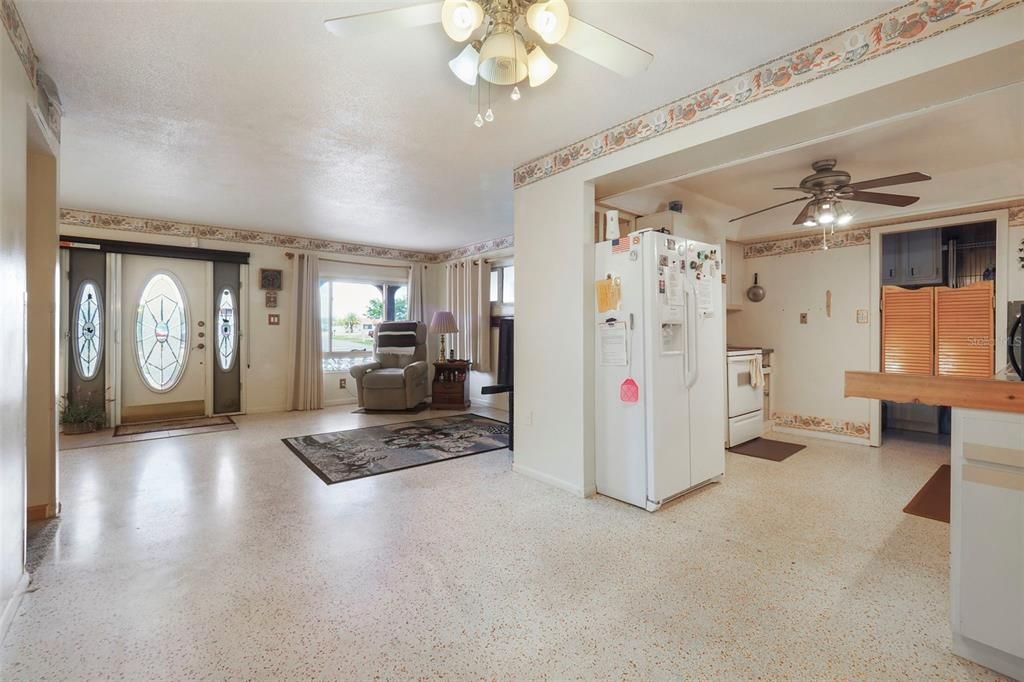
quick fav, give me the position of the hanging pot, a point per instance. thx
(756, 292)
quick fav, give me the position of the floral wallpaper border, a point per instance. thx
(111, 221)
(810, 242)
(861, 430)
(903, 26)
(18, 34)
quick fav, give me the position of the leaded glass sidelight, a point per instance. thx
(161, 333)
(227, 330)
(88, 322)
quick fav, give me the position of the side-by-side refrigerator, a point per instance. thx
(660, 356)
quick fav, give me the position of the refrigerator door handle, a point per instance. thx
(691, 333)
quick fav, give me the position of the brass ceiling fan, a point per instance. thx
(828, 187)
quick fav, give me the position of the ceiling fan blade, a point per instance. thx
(385, 20)
(798, 189)
(602, 48)
(904, 179)
(880, 198)
(805, 213)
(784, 203)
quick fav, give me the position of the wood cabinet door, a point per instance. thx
(908, 330)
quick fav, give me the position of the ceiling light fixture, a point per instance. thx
(503, 58)
(549, 20)
(843, 217)
(460, 18)
(466, 64)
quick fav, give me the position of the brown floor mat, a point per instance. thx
(766, 448)
(932, 500)
(171, 425)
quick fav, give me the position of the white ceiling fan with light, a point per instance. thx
(504, 50)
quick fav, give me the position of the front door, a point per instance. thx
(165, 349)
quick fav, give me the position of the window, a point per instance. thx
(503, 289)
(227, 331)
(349, 311)
(88, 330)
(161, 333)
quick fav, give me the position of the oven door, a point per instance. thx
(744, 398)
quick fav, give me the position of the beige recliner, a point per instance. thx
(393, 381)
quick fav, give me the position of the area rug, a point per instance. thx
(932, 500)
(346, 455)
(172, 425)
(765, 448)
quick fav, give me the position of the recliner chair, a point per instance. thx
(393, 381)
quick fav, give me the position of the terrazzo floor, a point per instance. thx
(221, 556)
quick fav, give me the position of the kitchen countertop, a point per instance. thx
(1000, 393)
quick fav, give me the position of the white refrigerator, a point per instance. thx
(660, 367)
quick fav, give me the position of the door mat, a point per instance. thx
(174, 425)
(932, 500)
(412, 410)
(346, 455)
(765, 448)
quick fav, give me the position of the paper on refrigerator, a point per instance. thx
(611, 344)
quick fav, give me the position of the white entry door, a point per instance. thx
(165, 349)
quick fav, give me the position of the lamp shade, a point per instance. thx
(443, 322)
(541, 67)
(464, 66)
(549, 20)
(503, 58)
(460, 18)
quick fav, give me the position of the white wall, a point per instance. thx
(554, 220)
(809, 360)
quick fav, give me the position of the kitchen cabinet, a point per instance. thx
(735, 270)
(912, 257)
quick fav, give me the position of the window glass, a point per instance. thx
(88, 330)
(494, 284)
(508, 285)
(401, 303)
(227, 332)
(161, 333)
(349, 311)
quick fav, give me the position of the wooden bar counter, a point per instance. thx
(999, 393)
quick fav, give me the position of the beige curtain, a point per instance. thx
(415, 293)
(469, 300)
(306, 382)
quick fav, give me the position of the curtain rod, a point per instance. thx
(355, 262)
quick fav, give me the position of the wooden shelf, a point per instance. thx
(999, 395)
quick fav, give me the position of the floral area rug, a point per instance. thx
(345, 455)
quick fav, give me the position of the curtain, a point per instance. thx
(469, 300)
(415, 292)
(306, 382)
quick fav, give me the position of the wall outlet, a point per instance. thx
(803, 318)
(341, 383)
(273, 319)
(862, 316)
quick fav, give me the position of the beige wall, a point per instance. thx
(810, 359)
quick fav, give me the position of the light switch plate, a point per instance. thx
(273, 319)
(803, 318)
(862, 316)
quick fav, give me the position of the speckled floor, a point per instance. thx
(222, 556)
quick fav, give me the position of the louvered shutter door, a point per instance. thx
(907, 330)
(964, 325)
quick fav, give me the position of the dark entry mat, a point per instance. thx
(932, 500)
(172, 425)
(765, 448)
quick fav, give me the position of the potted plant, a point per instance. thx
(80, 415)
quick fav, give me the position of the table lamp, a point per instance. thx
(443, 323)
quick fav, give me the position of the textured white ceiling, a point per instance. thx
(250, 114)
(973, 149)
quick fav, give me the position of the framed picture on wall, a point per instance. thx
(270, 279)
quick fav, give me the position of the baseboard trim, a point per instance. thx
(548, 479)
(39, 512)
(340, 403)
(11, 607)
(990, 657)
(823, 435)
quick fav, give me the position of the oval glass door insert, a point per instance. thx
(227, 330)
(161, 333)
(88, 330)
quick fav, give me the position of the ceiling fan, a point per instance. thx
(506, 48)
(828, 187)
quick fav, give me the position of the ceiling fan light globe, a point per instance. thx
(460, 18)
(503, 59)
(826, 217)
(810, 222)
(844, 219)
(465, 65)
(549, 20)
(540, 66)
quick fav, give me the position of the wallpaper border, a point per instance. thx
(842, 427)
(16, 31)
(113, 221)
(900, 27)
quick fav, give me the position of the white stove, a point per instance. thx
(745, 378)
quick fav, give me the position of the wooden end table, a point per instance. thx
(451, 385)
